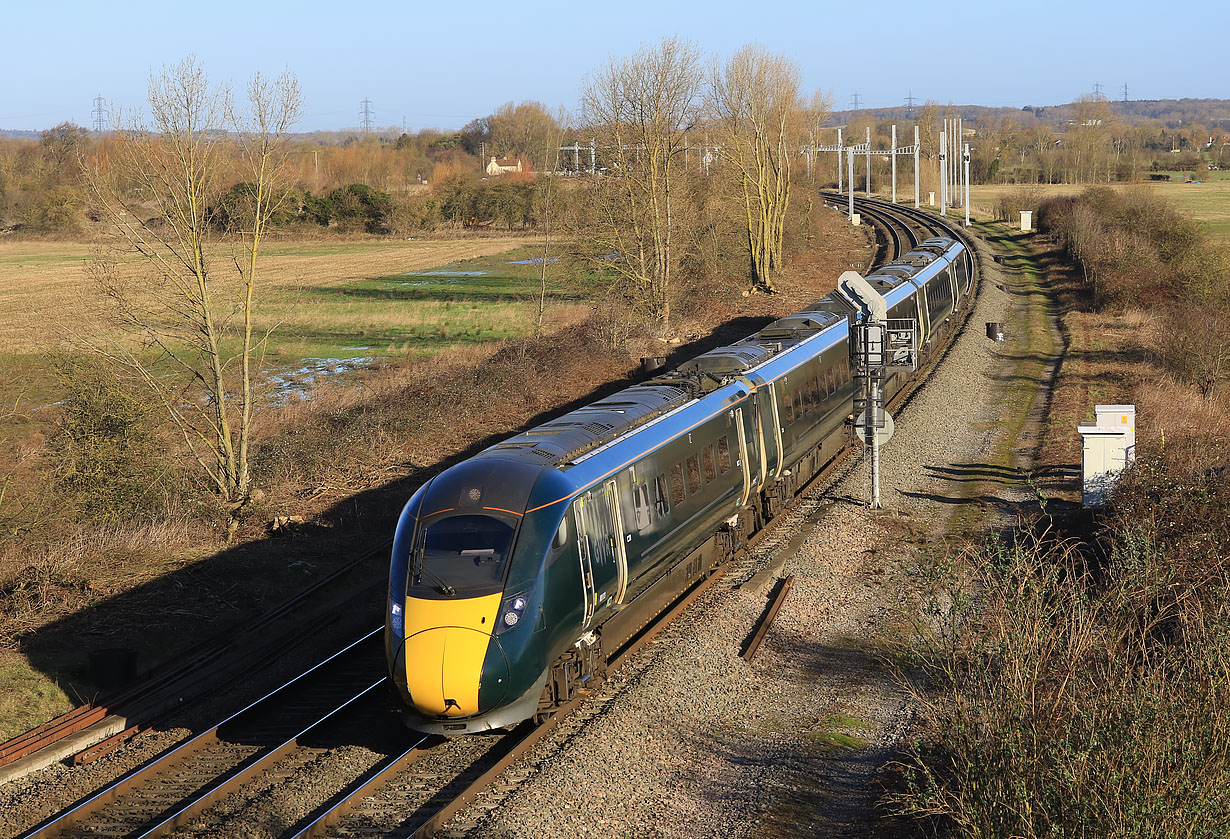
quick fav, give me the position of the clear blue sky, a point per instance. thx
(444, 63)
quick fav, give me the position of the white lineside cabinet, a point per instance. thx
(1108, 446)
(1122, 417)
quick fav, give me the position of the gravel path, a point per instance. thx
(690, 740)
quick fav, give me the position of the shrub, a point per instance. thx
(418, 211)
(1132, 246)
(105, 458)
(350, 208)
(239, 202)
(1082, 693)
(1023, 198)
(57, 211)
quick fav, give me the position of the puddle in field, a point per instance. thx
(535, 261)
(445, 272)
(431, 282)
(296, 385)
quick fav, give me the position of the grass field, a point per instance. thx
(1208, 202)
(329, 305)
(44, 284)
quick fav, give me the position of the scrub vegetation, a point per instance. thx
(1072, 672)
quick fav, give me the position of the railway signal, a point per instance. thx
(878, 346)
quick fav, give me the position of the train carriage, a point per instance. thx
(513, 571)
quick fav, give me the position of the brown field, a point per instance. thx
(44, 288)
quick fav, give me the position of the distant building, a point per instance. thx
(506, 166)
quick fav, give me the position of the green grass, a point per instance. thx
(417, 313)
(28, 697)
(1207, 202)
(836, 739)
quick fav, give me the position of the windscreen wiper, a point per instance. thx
(445, 588)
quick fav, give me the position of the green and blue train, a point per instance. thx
(515, 573)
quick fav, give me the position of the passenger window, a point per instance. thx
(676, 485)
(815, 392)
(640, 500)
(659, 488)
(693, 475)
(798, 405)
(788, 409)
(706, 460)
(723, 451)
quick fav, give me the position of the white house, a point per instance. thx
(505, 166)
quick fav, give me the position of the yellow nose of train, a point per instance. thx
(446, 644)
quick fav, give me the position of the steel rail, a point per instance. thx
(178, 755)
(250, 769)
(349, 799)
(189, 675)
(762, 628)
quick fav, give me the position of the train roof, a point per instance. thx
(568, 438)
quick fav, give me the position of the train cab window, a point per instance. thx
(659, 492)
(706, 461)
(723, 453)
(693, 463)
(676, 485)
(462, 554)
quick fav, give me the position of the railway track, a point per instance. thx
(92, 730)
(176, 787)
(420, 782)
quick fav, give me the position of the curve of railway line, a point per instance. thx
(420, 782)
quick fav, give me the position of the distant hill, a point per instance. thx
(1173, 113)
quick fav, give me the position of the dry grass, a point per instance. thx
(44, 583)
(43, 283)
(1207, 202)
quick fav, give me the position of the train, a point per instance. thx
(516, 572)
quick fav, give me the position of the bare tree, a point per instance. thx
(640, 109)
(1192, 344)
(545, 199)
(524, 129)
(754, 98)
(191, 300)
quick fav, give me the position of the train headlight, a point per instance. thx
(397, 619)
(512, 610)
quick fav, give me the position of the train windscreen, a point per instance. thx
(463, 555)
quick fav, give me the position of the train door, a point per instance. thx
(589, 595)
(743, 463)
(771, 420)
(619, 539)
(763, 459)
